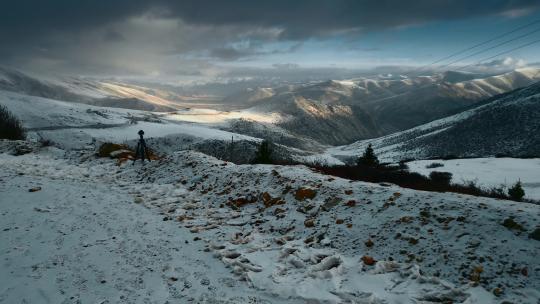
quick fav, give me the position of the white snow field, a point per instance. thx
(489, 172)
(190, 228)
(72, 125)
(82, 239)
(281, 234)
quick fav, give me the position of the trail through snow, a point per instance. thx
(77, 241)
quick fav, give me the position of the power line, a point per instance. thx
(501, 53)
(469, 65)
(480, 44)
(491, 48)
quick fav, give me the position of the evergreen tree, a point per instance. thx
(10, 126)
(368, 158)
(264, 153)
(516, 192)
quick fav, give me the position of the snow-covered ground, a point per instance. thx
(280, 234)
(489, 172)
(215, 116)
(82, 239)
(72, 125)
(194, 229)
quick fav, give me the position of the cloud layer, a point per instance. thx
(138, 36)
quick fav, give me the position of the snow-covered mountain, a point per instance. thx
(504, 125)
(338, 112)
(89, 91)
(330, 112)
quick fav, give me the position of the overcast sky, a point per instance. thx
(201, 38)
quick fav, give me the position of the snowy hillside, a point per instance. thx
(371, 107)
(488, 172)
(73, 126)
(89, 91)
(215, 231)
(506, 125)
(359, 108)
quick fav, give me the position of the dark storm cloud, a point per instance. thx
(307, 18)
(299, 18)
(141, 35)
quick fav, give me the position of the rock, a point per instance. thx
(351, 203)
(330, 203)
(309, 240)
(512, 225)
(239, 202)
(406, 219)
(370, 261)
(35, 189)
(475, 274)
(270, 201)
(278, 211)
(425, 213)
(106, 149)
(413, 241)
(309, 223)
(138, 200)
(23, 148)
(305, 193)
(535, 235)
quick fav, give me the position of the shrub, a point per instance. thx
(369, 158)
(516, 192)
(403, 165)
(440, 178)
(264, 153)
(10, 126)
(106, 149)
(123, 152)
(434, 165)
(437, 181)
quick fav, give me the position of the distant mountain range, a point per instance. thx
(88, 91)
(504, 125)
(339, 112)
(333, 112)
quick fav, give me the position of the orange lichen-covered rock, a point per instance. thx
(305, 193)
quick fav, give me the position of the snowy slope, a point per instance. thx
(372, 107)
(294, 246)
(89, 91)
(82, 240)
(507, 124)
(488, 172)
(75, 125)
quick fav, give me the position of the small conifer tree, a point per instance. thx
(516, 192)
(368, 158)
(264, 153)
(10, 126)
